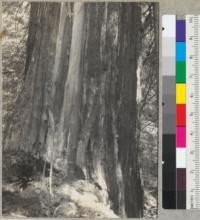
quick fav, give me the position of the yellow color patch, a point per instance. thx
(180, 93)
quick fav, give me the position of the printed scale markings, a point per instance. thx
(192, 111)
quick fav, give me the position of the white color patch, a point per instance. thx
(180, 157)
(169, 25)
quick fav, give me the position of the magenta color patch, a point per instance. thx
(180, 136)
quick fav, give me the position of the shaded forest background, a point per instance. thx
(16, 23)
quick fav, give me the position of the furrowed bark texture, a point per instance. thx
(81, 74)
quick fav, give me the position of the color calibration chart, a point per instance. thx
(181, 112)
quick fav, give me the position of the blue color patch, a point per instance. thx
(180, 51)
(180, 30)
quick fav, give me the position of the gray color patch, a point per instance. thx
(168, 66)
(169, 124)
(169, 85)
(169, 104)
(168, 44)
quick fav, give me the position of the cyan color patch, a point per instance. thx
(180, 51)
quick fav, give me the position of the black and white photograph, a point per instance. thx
(80, 109)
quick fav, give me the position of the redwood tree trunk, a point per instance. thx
(81, 74)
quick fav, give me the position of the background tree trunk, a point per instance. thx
(81, 67)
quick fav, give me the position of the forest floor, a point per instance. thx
(80, 199)
(77, 199)
(26, 193)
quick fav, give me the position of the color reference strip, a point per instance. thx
(169, 111)
(180, 115)
(181, 112)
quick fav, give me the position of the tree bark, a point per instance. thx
(70, 116)
(82, 68)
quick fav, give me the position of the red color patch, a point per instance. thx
(180, 115)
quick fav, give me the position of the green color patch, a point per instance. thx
(180, 72)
